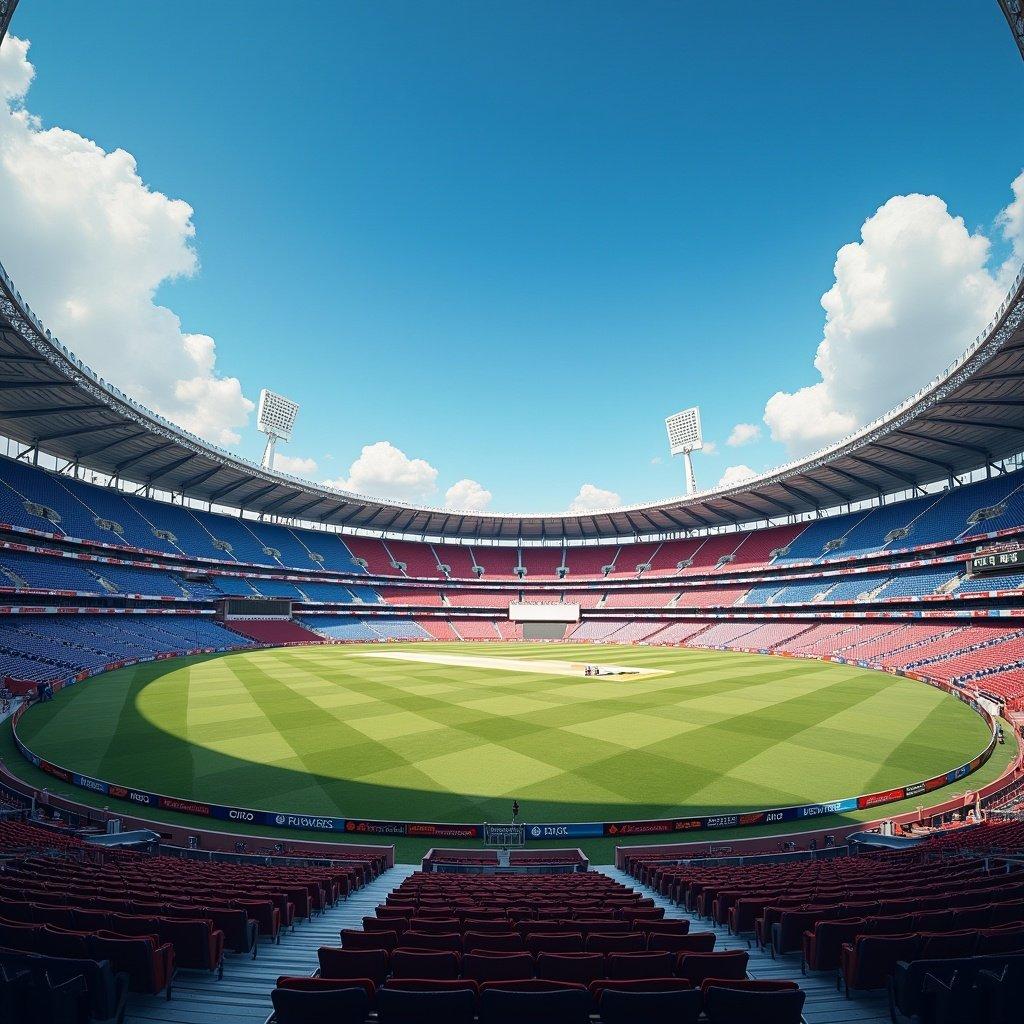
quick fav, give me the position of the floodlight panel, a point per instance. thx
(684, 434)
(276, 415)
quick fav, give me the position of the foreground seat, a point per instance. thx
(323, 1006)
(742, 1006)
(426, 1005)
(340, 964)
(731, 964)
(868, 962)
(107, 990)
(671, 1006)
(148, 963)
(533, 1002)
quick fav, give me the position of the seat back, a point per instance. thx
(695, 942)
(337, 964)
(665, 927)
(679, 1006)
(497, 966)
(495, 942)
(740, 1006)
(135, 956)
(402, 1006)
(640, 965)
(1005, 939)
(629, 942)
(726, 964)
(582, 968)
(448, 941)
(829, 937)
(877, 956)
(538, 943)
(938, 945)
(434, 925)
(63, 942)
(352, 938)
(425, 963)
(20, 936)
(566, 1005)
(325, 1006)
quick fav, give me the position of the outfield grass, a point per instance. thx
(327, 730)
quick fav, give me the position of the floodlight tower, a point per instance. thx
(275, 418)
(684, 438)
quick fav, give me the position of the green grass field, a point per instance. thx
(341, 731)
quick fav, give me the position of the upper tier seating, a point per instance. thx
(69, 507)
(419, 559)
(541, 561)
(587, 562)
(497, 562)
(458, 558)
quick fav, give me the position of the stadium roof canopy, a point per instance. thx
(972, 415)
(1014, 11)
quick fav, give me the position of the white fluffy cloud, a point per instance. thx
(736, 475)
(384, 471)
(908, 298)
(467, 496)
(88, 244)
(1011, 223)
(743, 433)
(710, 448)
(593, 499)
(294, 464)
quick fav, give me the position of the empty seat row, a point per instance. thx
(660, 1001)
(582, 967)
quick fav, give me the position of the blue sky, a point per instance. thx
(510, 238)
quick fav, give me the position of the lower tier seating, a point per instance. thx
(557, 947)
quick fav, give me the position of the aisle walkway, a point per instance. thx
(243, 996)
(824, 1004)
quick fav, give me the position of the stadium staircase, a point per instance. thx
(824, 1004)
(243, 995)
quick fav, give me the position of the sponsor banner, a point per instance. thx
(875, 799)
(433, 830)
(588, 830)
(170, 803)
(89, 783)
(722, 821)
(376, 828)
(833, 807)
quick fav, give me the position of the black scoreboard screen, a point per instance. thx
(998, 562)
(268, 607)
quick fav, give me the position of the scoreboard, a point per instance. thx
(998, 562)
(255, 607)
